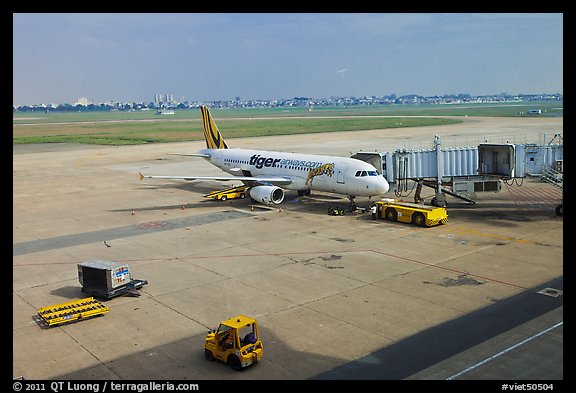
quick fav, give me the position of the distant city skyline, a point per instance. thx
(59, 58)
(168, 101)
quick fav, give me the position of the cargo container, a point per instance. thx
(107, 279)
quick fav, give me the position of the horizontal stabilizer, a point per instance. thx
(191, 154)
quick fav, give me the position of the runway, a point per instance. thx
(336, 297)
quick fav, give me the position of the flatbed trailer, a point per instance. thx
(73, 311)
(411, 213)
(230, 193)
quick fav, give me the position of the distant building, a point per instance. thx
(82, 101)
(160, 99)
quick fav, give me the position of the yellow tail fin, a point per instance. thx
(213, 138)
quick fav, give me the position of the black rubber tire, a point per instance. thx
(436, 203)
(391, 214)
(419, 219)
(234, 363)
(560, 210)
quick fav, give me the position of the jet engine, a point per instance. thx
(267, 194)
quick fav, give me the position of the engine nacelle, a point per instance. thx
(267, 194)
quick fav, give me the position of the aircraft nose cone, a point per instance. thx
(383, 186)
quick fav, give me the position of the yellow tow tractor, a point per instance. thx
(411, 213)
(236, 342)
(230, 193)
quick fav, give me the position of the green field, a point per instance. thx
(126, 128)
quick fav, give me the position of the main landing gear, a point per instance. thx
(352, 205)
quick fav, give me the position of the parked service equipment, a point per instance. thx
(236, 342)
(106, 279)
(230, 193)
(72, 311)
(411, 213)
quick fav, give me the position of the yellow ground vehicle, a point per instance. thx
(73, 311)
(230, 193)
(412, 213)
(236, 342)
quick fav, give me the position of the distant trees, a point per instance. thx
(86, 108)
(299, 101)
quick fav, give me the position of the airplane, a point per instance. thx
(268, 173)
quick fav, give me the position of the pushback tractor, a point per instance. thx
(411, 213)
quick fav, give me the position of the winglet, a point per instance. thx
(213, 138)
(141, 176)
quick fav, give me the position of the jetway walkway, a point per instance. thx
(461, 172)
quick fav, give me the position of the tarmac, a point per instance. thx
(336, 297)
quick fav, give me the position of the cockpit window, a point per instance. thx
(366, 173)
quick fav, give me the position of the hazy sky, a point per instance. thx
(59, 58)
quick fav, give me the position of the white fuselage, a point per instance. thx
(341, 175)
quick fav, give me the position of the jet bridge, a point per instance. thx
(461, 171)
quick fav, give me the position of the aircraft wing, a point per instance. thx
(191, 154)
(280, 181)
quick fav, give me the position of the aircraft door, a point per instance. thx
(340, 175)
